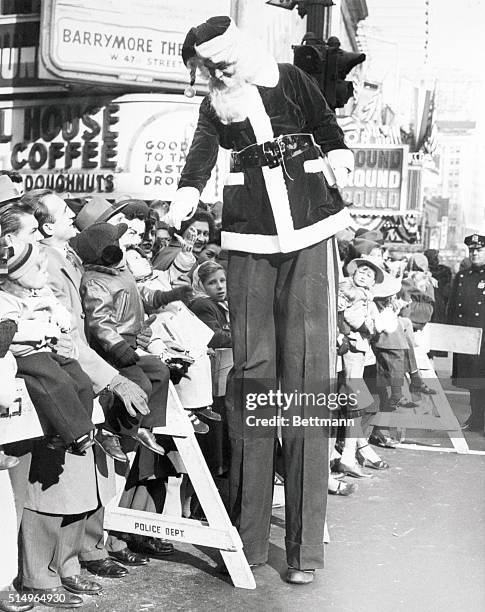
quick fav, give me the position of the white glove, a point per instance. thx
(183, 206)
(342, 163)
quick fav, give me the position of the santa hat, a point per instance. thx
(216, 39)
(219, 40)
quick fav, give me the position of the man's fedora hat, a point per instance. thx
(97, 210)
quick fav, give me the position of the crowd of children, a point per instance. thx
(152, 305)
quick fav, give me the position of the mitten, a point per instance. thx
(178, 369)
(123, 355)
(162, 298)
(342, 344)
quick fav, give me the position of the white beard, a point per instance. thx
(230, 103)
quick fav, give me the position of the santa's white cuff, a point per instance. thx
(341, 158)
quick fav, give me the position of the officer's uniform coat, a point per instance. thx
(467, 307)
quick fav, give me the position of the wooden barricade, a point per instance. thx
(434, 412)
(217, 532)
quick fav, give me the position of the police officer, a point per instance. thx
(467, 307)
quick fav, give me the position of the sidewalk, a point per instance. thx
(411, 538)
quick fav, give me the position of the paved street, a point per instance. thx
(409, 539)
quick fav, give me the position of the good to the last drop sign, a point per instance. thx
(132, 145)
(379, 179)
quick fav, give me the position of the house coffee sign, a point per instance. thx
(131, 145)
(66, 147)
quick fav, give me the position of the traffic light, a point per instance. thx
(345, 61)
(328, 65)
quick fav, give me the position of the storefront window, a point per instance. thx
(19, 7)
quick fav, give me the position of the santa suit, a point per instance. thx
(278, 225)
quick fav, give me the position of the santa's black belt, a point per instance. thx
(272, 152)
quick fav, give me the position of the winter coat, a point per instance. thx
(210, 313)
(114, 305)
(467, 307)
(288, 207)
(418, 290)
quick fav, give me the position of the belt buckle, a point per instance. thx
(272, 153)
(236, 163)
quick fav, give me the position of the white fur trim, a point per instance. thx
(233, 44)
(268, 73)
(234, 178)
(221, 48)
(341, 158)
(295, 239)
(273, 177)
(321, 230)
(250, 243)
(288, 238)
(312, 166)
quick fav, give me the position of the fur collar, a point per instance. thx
(103, 269)
(268, 73)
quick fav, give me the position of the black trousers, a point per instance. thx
(283, 316)
(61, 392)
(477, 405)
(153, 377)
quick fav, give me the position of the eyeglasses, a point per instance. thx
(134, 215)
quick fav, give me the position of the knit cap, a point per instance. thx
(99, 243)
(20, 257)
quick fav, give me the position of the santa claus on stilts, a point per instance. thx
(280, 217)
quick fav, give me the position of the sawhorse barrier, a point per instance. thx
(217, 532)
(435, 412)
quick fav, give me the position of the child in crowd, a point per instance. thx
(115, 314)
(210, 305)
(359, 320)
(209, 302)
(60, 391)
(418, 290)
(178, 337)
(390, 347)
(8, 366)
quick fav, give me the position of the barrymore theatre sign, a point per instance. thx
(127, 41)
